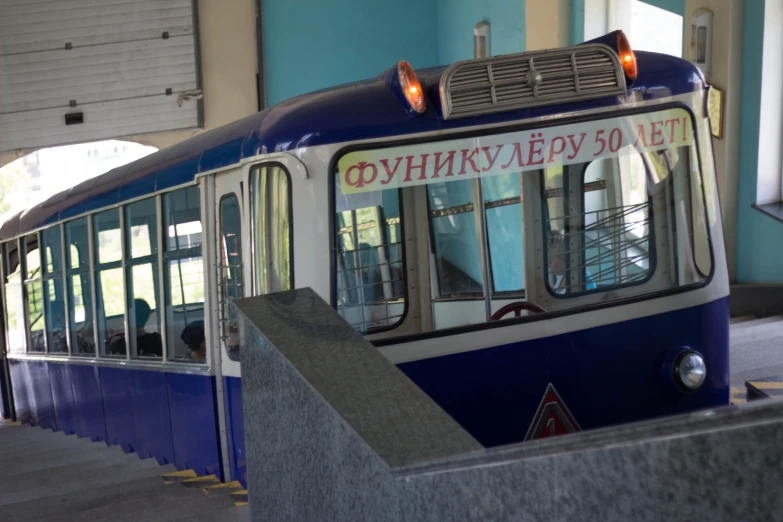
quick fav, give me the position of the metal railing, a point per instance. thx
(606, 252)
(367, 293)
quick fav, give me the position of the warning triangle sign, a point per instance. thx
(552, 417)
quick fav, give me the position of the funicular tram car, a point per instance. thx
(533, 239)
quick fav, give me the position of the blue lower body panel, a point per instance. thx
(236, 429)
(166, 416)
(605, 376)
(194, 424)
(33, 394)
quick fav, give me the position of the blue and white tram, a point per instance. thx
(533, 239)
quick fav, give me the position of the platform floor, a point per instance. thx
(756, 349)
(51, 476)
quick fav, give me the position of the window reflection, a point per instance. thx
(455, 240)
(270, 208)
(231, 285)
(77, 241)
(34, 293)
(370, 275)
(141, 223)
(109, 284)
(54, 297)
(14, 304)
(183, 275)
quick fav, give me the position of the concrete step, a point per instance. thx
(47, 475)
(14, 478)
(8, 456)
(56, 444)
(165, 504)
(71, 459)
(742, 319)
(86, 499)
(99, 478)
(235, 514)
(43, 441)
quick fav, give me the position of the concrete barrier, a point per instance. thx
(334, 432)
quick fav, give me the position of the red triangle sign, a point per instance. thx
(552, 417)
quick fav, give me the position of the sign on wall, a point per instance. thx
(84, 70)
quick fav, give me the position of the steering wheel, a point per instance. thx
(516, 308)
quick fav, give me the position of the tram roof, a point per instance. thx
(357, 111)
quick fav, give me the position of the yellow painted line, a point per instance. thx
(206, 478)
(238, 493)
(739, 401)
(767, 385)
(232, 484)
(188, 473)
(9, 423)
(735, 390)
(240, 504)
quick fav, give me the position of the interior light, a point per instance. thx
(627, 58)
(411, 87)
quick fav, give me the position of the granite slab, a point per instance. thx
(335, 432)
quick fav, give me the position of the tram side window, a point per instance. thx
(109, 283)
(54, 296)
(183, 272)
(34, 293)
(78, 282)
(14, 304)
(142, 276)
(271, 208)
(231, 285)
(369, 258)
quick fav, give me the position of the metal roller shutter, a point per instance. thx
(121, 67)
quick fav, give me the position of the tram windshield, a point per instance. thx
(545, 218)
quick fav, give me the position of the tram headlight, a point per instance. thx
(690, 370)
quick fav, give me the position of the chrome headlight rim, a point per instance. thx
(692, 355)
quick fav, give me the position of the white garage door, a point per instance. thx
(85, 70)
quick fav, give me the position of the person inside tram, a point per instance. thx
(556, 256)
(148, 344)
(193, 337)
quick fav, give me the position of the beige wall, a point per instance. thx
(546, 24)
(227, 35)
(726, 74)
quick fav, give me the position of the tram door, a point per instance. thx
(230, 277)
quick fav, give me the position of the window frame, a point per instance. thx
(97, 267)
(129, 262)
(6, 274)
(89, 271)
(332, 178)
(611, 112)
(651, 236)
(165, 256)
(155, 364)
(25, 294)
(46, 277)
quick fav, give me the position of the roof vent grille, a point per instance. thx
(518, 81)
